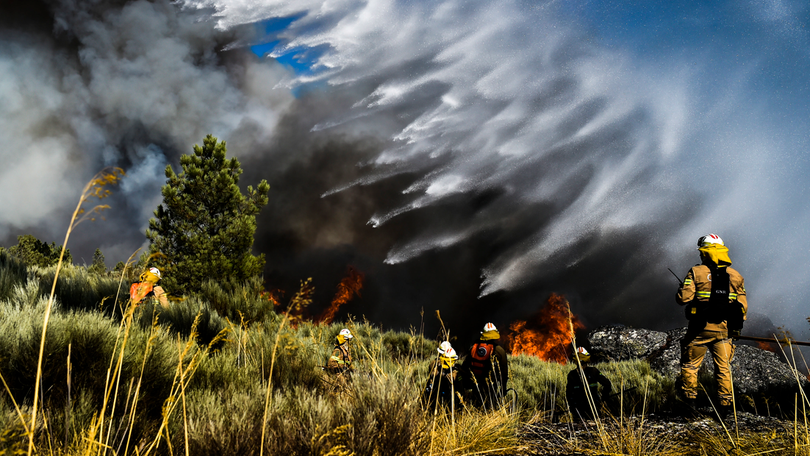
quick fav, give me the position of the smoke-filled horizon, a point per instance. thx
(471, 157)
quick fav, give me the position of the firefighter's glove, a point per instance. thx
(734, 334)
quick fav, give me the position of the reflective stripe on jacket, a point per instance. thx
(698, 286)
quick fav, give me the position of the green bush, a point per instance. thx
(540, 385)
(12, 272)
(237, 301)
(78, 289)
(180, 316)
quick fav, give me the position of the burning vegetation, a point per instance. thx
(296, 311)
(548, 334)
(348, 288)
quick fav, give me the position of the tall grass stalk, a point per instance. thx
(720, 418)
(126, 325)
(270, 383)
(94, 188)
(182, 376)
(477, 432)
(16, 406)
(591, 403)
(149, 342)
(113, 384)
(301, 300)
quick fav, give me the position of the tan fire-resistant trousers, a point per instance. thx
(694, 350)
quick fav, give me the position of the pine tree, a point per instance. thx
(37, 253)
(98, 265)
(204, 228)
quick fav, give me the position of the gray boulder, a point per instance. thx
(756, 372)
(619, 343)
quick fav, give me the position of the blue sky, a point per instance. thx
(299, 62)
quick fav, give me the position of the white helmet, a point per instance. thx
(709, 239)
(346, 333)
(583, 354)
(448, 358)
(444, 346)
(155, 271)
(489, 327)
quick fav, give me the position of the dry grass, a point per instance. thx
(476, 432)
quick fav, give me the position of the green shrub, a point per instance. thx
(78, 289)
(12, 272)
(540, 385)
(643, 387)
(236, 301)
(179, 318)
(402, 345)
(226, 420)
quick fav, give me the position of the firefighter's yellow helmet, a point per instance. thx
(343, 336)
(448, 358)
(151, 275)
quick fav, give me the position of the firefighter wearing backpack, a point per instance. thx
(148, 287)
(341, 360)
(486, 368)
(716, 306)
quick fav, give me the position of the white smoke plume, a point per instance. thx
(104, 84)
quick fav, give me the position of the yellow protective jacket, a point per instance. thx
(697, 289)
(341, 359)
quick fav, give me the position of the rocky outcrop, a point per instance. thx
(618, 342)
(756, 372)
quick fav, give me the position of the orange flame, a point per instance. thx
(347, 289)
(273, 296)
(549, 336)
(766, 346)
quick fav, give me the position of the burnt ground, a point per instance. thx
(701, 434)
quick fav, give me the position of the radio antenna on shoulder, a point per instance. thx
(676, 276)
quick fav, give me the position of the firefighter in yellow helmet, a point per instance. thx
(575, 390)
(148, 287)
(443, 380)
(341, 360)
(716, 306)
(486, 369)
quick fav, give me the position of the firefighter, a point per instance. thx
(148, 287)
(486, 369)
(443, 380)
(575, 392)
(716, 306)
(436, 363)
(340, 363)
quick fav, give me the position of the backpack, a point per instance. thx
(480, 354)
(139, 290)
(718, 308)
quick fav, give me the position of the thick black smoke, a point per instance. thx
(309, 231)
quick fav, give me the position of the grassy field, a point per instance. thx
(226, 373)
